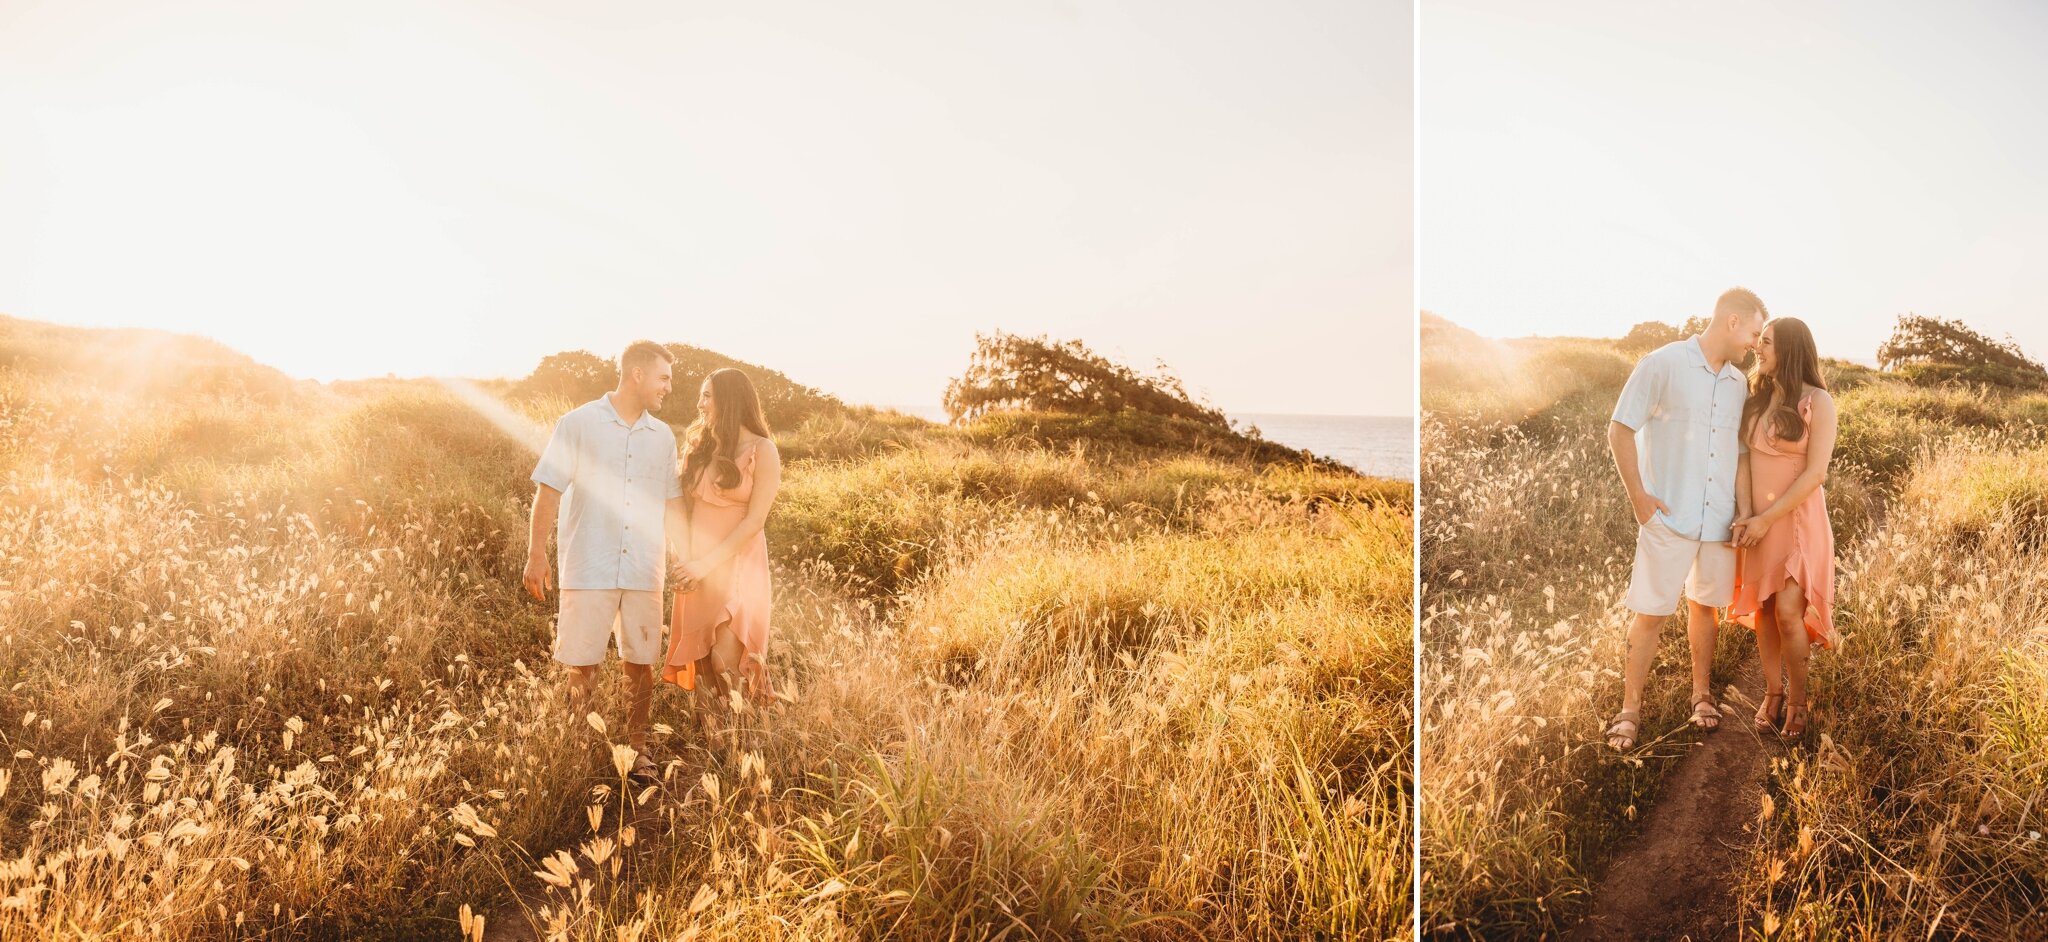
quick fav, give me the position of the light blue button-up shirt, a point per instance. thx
(615, 480)
(1687, 417)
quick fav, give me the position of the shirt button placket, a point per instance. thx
(625, 468)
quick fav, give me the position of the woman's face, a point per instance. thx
(706, 407)
(1767, 352)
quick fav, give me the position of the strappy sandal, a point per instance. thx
(1795, 722)
(1767, 718)
(644, 770)
(1628, 739)
(1705, 714)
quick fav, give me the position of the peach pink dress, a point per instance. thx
(1800, 546)
(736, 593)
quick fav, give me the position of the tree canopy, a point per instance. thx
(1649, 335)
(1934, 350)
(580, 376)
(1008, 372)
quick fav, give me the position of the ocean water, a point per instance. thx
(1383, 446)
(1379, 445)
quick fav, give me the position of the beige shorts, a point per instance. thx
(590, 616)
(1668, 564)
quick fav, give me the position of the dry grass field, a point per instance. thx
(265, 673)
(1914, 810)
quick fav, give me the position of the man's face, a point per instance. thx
(1749, 328)
(654, 382)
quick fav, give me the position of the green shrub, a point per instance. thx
(1966, 375)
(579, 376)
(1123, 435)
(1967, 493)
(1883, 426)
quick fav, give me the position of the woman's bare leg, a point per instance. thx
(1770, 652)
(727, 658)
(1791, 615)
(1770, 648)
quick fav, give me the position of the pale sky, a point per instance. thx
(1590, 165)
(846, 192)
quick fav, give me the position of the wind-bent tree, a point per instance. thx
(1938, 350)
(1008, 372)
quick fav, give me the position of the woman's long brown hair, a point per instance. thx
(712, 444)
(1798, 368)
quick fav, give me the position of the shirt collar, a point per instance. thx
(1699, 357)
(646, 415)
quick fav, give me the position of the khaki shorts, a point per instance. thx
(590, 616)
(1668, 564)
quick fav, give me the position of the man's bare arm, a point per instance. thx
(1621, 440)
(539, 578)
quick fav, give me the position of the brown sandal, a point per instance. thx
(1767, 719)
(1705, 714)
(1627, 740)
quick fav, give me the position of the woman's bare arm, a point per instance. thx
(1820, 449)
(767, 480)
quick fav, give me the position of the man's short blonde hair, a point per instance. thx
(1741, 301)
(643, 353)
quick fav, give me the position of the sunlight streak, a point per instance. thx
(531, 435)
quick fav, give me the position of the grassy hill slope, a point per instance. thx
(267, 674)
(1908, 815)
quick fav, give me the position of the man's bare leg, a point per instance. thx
(582, 678)
(1635, 675)
(1703, 629)
(1643, 633)
(640, 677)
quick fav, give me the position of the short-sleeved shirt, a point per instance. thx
(1687, 417)
(615, 480)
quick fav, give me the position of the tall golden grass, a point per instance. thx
(1911, 812)
(265, 673)
(1919, 813)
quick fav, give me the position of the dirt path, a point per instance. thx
(1672, 881)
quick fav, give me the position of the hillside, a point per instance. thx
(1906, 812)
(136, 365)
(270, 676)
(1161, 422)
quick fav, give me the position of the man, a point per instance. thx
(614, 466)
(1675, 434)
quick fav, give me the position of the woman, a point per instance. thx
(730, 474)
(1785, 573)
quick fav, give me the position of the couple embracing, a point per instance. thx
(629, 512)
(1724, 473)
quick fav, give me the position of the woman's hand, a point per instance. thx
(693, 572)
(681, 574)
(1754, 528)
